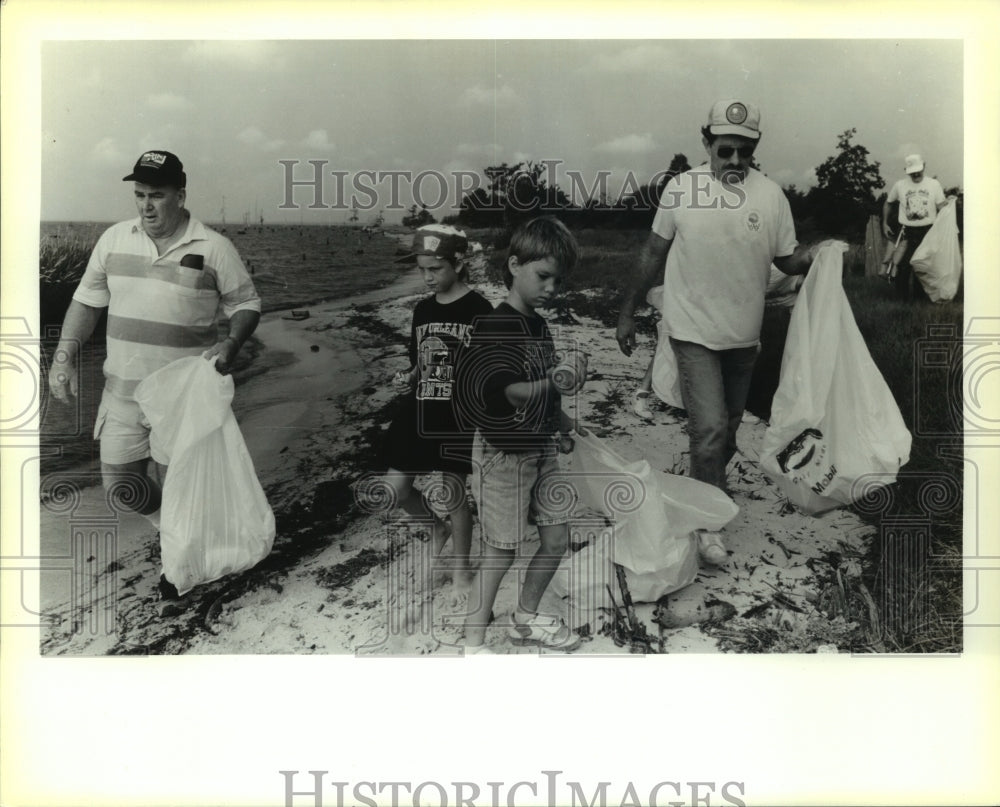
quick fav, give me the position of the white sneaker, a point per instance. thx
(711, 548)
(640, 404)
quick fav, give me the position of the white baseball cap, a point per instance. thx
(734, 117)
(914, 164)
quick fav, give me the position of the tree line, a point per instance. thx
(838, 205)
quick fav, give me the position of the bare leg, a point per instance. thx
(130, 487)
(495, 564)
(554, 540)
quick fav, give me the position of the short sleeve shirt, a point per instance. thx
(918, 201)
(161, 307)
(508, 348)
(724, 240)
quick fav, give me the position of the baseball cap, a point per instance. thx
(734, 117)
(158, 168)
(439, 240)
(914, 164)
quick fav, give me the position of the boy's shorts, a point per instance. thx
(124, 432)
(508, 485)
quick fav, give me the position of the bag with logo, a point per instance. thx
(833, 418)
(214, 519)
(937, 262)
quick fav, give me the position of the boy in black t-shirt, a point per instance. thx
(512, 389)
(426, 435)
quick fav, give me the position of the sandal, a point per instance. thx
(545, 631)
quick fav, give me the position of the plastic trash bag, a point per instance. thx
(833, 418)
(937, 262)
(654, 516)
(666, 380)
(654, 512)
(214, 519)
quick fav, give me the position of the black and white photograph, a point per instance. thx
(350, 352)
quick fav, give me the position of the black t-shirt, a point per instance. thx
(509, 347)
(439, 334)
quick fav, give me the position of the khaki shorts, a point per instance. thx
(507, 486)
(124, 432)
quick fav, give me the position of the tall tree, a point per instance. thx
(846, 186)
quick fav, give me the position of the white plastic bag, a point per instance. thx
(666, 380)
(214, 519)
(833, 418)
(654, 512)
(937, 262)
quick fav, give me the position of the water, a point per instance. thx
(291, 265)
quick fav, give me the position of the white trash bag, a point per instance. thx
(937, 262)
(654, 515)
(833, 418)
(214, 519)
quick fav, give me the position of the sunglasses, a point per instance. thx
(746, 152)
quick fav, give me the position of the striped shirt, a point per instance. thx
(161, 308)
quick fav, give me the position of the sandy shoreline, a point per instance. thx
(312, 418)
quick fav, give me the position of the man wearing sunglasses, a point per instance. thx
(717, 230)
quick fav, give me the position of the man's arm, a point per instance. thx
(241, 324)
(886, 209)
(78, 325)
(651, 261)
(797, 263)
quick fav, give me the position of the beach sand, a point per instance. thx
(311, 414)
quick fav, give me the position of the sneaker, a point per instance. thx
(545, 631)
(640, 404)
(711, 548)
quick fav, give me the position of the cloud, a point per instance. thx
(168, 102)
(106, 151)
(489, 96)
(242, 54)
(476, 149)
(638, 58)
(318, 139)
(254, 137)
(629, 144)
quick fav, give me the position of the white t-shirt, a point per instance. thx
(918, 201)
(724, 240)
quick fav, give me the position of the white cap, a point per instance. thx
(734, 117)
(914, 164)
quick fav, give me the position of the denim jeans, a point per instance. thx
(714, 387)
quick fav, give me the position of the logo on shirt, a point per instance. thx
(753, 221)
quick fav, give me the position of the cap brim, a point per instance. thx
(155, 179)
(732, 129)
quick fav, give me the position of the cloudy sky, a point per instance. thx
(232, 110)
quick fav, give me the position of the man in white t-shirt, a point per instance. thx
(163, 278)
(920, 198)
(717, 231)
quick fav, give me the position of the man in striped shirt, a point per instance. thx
(163, 277)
